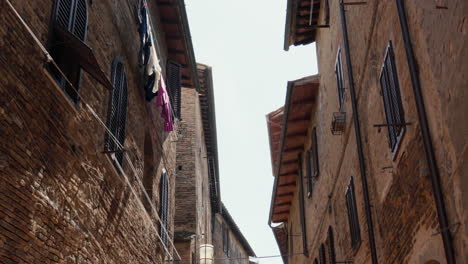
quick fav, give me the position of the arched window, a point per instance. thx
(117, 111)
(164, 206)
(331, 246)
(71, 16)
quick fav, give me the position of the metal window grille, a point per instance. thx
(390, 91)
(339, 79)
(323, 259)
(352, 215)
(331, 246)
(174, 75)
(312, 163)
(71, 15)
(164, 207)
(117, 111)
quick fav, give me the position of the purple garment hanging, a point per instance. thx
(163, 100)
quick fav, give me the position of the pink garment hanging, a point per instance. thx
(165, 103)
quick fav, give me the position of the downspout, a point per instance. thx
(430, 156)
(362, 165)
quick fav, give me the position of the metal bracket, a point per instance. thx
(396, 125)
(353, 3)
(446, 228)
(113, 151)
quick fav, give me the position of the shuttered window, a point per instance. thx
(390, 91)
(353, 219)
(302, 207)
(117, 112)
(226, 240)
(312, 163)
(339, 80)
(72, 16)
(331, 246)
(322, 257)
(174, 75)
(164, 207)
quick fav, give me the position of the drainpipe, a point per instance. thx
(362, 165)
(430, 156)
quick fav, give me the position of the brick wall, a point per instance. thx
(61, 199)
(237, 253)
(193, 207)
(402, 201)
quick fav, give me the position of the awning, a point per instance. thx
(83, 55)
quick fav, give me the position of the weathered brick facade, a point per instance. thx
(61, 198)
(402, 205)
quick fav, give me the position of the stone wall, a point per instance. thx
(61, 199)
(402, 201)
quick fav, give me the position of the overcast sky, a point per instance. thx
(243, 41)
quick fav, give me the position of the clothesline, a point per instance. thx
(50, 60)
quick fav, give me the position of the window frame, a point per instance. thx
(312, 161)
(68, 66)
(340, 81)
(392, 102)
(353, 216)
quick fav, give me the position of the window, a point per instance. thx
(352, 215)
(164, 207)
(331, 246)
(302, 207)
(117, 112)
(226, 240)
(390, 91)
(71, 16)
(322, 257)
(291, 241)
(312, 164)
(340, 80)
(174, 75)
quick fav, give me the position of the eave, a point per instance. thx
(301, 22)
(300, 102)
(179, 41)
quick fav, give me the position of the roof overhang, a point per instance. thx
(207, 105)
(281, 235)
(300, 101)
(301, 22)
(179, 41)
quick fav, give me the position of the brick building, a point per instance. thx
(230, 244)
(369, 156)
(200, 216)
(88, 150)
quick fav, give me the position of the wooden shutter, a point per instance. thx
(117, 111)
(323, 259)
(302, 207)
(63, 13)
(331, 246)
(164, 207)
(174, 75)
(352, 215)
(390, 92)
(80, 23)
